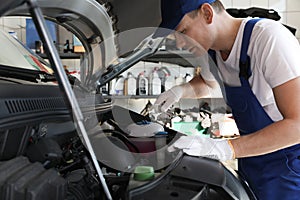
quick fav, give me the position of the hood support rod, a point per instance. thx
(64, 84)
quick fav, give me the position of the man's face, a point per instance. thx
(191, 34)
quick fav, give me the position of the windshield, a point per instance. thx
(18, 56)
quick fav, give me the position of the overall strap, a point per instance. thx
(213, 68)
(244, 58)
(245, 70)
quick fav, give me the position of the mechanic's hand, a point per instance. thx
(168, 98)
(198, 145)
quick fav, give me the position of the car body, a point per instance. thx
(45, 153)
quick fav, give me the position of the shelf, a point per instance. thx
(151, 97)
(64, 55)
(130, 96)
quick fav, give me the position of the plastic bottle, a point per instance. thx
(169, 82)
(131, 84)
(142, 84)
(119, 87)
(125, 86)
(155, 83)
(112, 86)
(38, 47)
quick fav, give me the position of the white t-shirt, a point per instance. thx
(275, 59)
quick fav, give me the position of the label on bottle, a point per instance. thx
(143, 86)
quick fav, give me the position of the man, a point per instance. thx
(263, 92)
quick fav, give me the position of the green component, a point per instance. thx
(189, 128)
(143, 173)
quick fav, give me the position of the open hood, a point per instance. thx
(98, 25)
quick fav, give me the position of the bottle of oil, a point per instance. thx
(169, 82)
(119, 87)
(142, 87)
(155, 83)
(130, 84)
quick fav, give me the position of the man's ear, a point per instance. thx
(207, 12)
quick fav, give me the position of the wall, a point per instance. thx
(14, 24)
(289, 10)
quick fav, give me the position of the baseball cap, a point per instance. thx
(172, 11)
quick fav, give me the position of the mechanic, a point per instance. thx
(263, 91)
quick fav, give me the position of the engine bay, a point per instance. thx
(40, 140)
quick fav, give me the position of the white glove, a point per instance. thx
(168, 98)
(198, 145)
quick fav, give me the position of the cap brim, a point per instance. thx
(167, 27)
(162, 32)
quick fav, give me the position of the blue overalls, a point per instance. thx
(275, 175)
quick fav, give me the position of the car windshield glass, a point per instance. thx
(18, 56)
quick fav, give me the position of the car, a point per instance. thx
(62, 139)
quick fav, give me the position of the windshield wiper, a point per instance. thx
(26, 74)
(36, 76)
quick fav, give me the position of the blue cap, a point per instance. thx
(172, 12)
